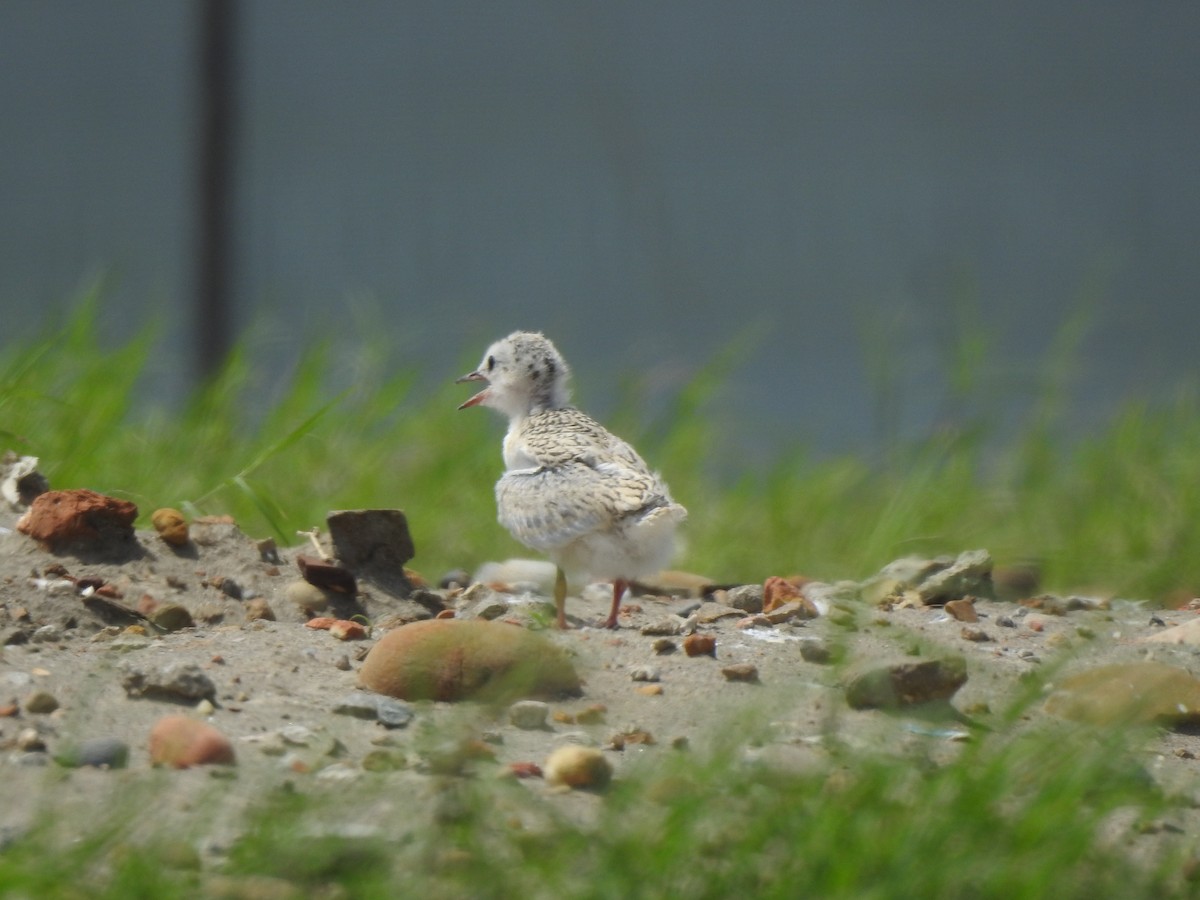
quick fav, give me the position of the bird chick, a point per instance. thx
(571, 489)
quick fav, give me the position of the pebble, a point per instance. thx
(100, 753)
(741, 672)
(963, 610)
(259, 609)
(907, 683)
(41, 702)
(664, 646)
(777, 591)
(308, 597)
(388, 711)
(171, 526)
(665, 627)
(47, 634)
(529, 715)
(700, 645)
(30, 740)
(182, 742)
(573, 766)
(815, 651)
(978, 635)
(172, 617)
(177, 681)
(645, 673)
(746, 597)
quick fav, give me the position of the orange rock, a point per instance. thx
(347, 630)
(700, 645)
(56, 517)
(182, 742)
(320, 623)
(171, 526)
(963, 610)
(650, 690)
(778, 591)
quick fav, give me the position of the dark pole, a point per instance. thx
(214, 240)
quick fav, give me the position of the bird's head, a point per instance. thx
(524, 373)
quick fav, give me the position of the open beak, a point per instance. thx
(478, 398)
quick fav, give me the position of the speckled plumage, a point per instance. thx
(571, 489)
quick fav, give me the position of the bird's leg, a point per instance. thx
(560, 597)
(619, 587)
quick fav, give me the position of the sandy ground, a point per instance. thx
(277, 684)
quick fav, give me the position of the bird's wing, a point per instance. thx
(545, 508)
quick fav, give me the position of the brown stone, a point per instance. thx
(58, 517)
(171, 526)
(907, 684)
(700, 645)
(741, 672)
(326, 575)
(963, 610)
(778, 591)
(455, 659)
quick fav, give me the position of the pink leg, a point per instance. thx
(619, 587)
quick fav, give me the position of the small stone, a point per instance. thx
(700, 645)
(229, 587)
(800, 608)
(1006, 622)
(393, 713)
(741, 672)
(172, 617)
(326, 575)
(182, 742)
(963, 610)
(778, 591)
(259, 609)
(650, 690)
(342, 662)
(970, 574)
(758, 621)
(529, 715)
(671, 625)
(347, 630)
(360, 704)
(815, 651)
(47, 634)
(268, 551)
(645, 673)
(978, 635)
(308, 597)
(573, 766)
(29, 740)
(664, 646)
(906, 684)
(41, 703)
(746, 597)
(171, 526)
(99, 753)
(173, 681)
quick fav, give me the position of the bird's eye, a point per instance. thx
(491, 363)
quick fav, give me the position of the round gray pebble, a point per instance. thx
(529, 714)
